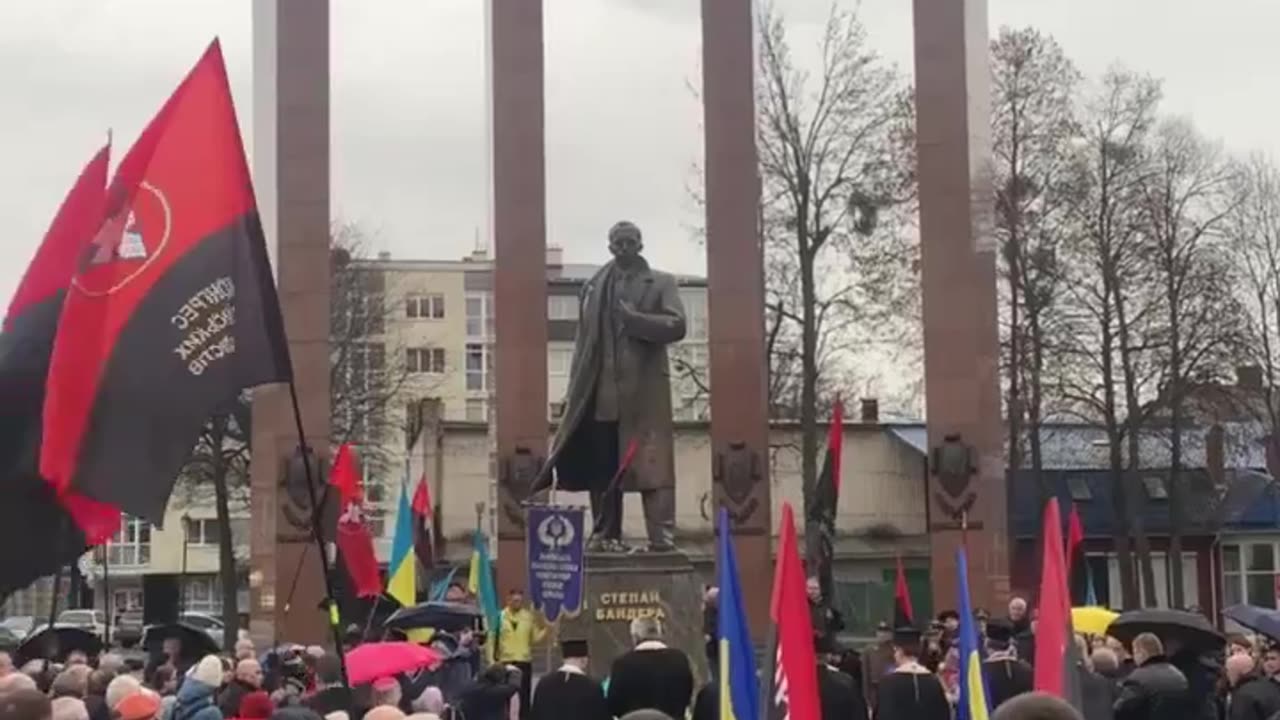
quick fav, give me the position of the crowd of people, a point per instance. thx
(904, 674)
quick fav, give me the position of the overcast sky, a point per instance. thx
(623, 126)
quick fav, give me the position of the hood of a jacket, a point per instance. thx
(193, 690)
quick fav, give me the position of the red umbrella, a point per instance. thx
(387, 659)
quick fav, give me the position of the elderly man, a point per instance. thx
(68, 708)
(1253, 695)
(25, 704)
(245, 650)
(652, 676)
(247, 679)
(72, 682)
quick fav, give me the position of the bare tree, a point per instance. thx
(1185, 200)
(835, 163)
(1110, 309)
(1034, 125)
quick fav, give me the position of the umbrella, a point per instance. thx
(445, 616)
(196, 643)
(56, 643)
(1191, 629)
(1258, 619)
(388, 659)
(1092, 620)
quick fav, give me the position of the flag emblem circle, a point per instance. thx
(126, 244)
(555, 532)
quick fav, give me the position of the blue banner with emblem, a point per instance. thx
(555, 542)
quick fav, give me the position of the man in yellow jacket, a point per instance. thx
(521, 629)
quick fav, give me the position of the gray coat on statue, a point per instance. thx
(647, 317)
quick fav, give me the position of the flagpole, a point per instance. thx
(317, 534)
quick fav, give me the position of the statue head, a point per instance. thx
(625, 242)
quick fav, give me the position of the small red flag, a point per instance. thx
(903, 614)
(422, 500)
(795, 680)
(345, 477)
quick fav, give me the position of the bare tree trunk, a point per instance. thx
(808, 391)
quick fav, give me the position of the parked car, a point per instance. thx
(94, 621)
(9, 640)
(211, 625)
(20, 625)
(128, 628)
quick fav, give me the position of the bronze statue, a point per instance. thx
(619, 400)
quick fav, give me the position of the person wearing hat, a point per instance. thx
(1007, 676)
(838, 695)
(195, 699)
(910, 691)
(877, 661)
(569, 690)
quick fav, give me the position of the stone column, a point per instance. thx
(519, 276)
(735, 290)
(291, 174)
(962, 390)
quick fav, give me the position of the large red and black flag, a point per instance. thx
(172, 310)
(424, 533)
(30, 509)
(822, 512)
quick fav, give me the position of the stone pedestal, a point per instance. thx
(621, 588)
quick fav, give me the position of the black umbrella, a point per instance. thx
(56, 643)
(196, 643)
(1265, 621)
(444, 616)
(1190, 629)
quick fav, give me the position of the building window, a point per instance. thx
(562, 307)
(480, 316)
(1249, 574)
(123, 600)
(203, 531)
(1109, 592)
(202, 594)
(426, 360)
(131, 545)
(475, 410)
(695, 313)
(1078, 485)
(479, 366)
(1155, 488)
(425, 307)
(559, 360)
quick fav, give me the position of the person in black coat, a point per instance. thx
(569, 690)
(1007, 676)
(839, 695)
(910, 691)
(1253, 695)
(1155, 690)
(1097, 692)
(331, 694)
(652, 676)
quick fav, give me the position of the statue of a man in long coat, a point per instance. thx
(619, 399)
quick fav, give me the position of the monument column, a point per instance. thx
(961, 340)
(291, 176)
(519, 277)
(735, 290)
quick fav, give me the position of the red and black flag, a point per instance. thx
(823, 511)
(1077, 568)
(903, 615)
(424, 533)
(172, 310)
(31, 508)
(354, 541)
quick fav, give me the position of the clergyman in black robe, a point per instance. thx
(569, 691)
(1007, 676)
(910, 691)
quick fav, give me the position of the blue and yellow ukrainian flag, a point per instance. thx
(975, 703)
(739, 691)
(480, 582)
(402, 580)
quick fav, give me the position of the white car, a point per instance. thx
(92, 620)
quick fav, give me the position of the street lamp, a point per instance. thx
(186, 538)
